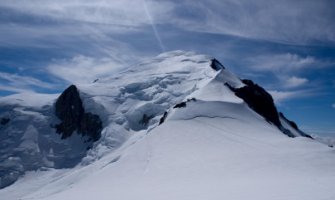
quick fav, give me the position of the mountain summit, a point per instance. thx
(179, 126)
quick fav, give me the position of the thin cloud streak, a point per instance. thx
(293, 82)
(17, 83)
(281, 96)
(153, 25)
(285, 63)
(278, 21)
(18, 80)
(124, 13)
(83, 69)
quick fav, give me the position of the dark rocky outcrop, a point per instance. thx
(291, 123)
(180, 105)
(216, 65)
(191, 99)
(295, 126)
(69, 109)
(162, 119)
(91, 126)
(258, 100)
(183, 104)
(261, 102)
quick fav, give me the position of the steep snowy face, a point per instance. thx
(86, 122)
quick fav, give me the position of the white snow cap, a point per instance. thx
(210, 146)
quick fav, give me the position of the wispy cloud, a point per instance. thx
(280, 96)
(83, 69)
(81, 26)
(293, 82)
(280, 21)
(284, 63)
(15, 89)
(288, 69)
(123, 13)
(289, 75)
(18, 83)
(265, 20)
(333, 105)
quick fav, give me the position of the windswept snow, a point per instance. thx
(215, 147)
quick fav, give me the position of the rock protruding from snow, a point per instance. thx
(70, 110)
(292, 126)
(216, 65)
(262, 102)
(258, 100)
(28, 141)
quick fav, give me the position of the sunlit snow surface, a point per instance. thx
(214, 148)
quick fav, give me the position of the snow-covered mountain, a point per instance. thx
(179, 126)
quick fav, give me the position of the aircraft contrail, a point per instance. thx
(160, 43)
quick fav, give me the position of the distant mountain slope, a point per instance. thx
(179, 126)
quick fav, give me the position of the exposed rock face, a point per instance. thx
(184, 103)
(216, 65)
(162, 119)
(180, 105)
(258, 100)
(91, 125)
(295, 126)
(70, 110)
(262, 103)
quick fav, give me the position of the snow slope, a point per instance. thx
(212, 146)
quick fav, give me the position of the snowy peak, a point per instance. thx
(259, 100)
(88, 122)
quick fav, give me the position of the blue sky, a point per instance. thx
(288, 47)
